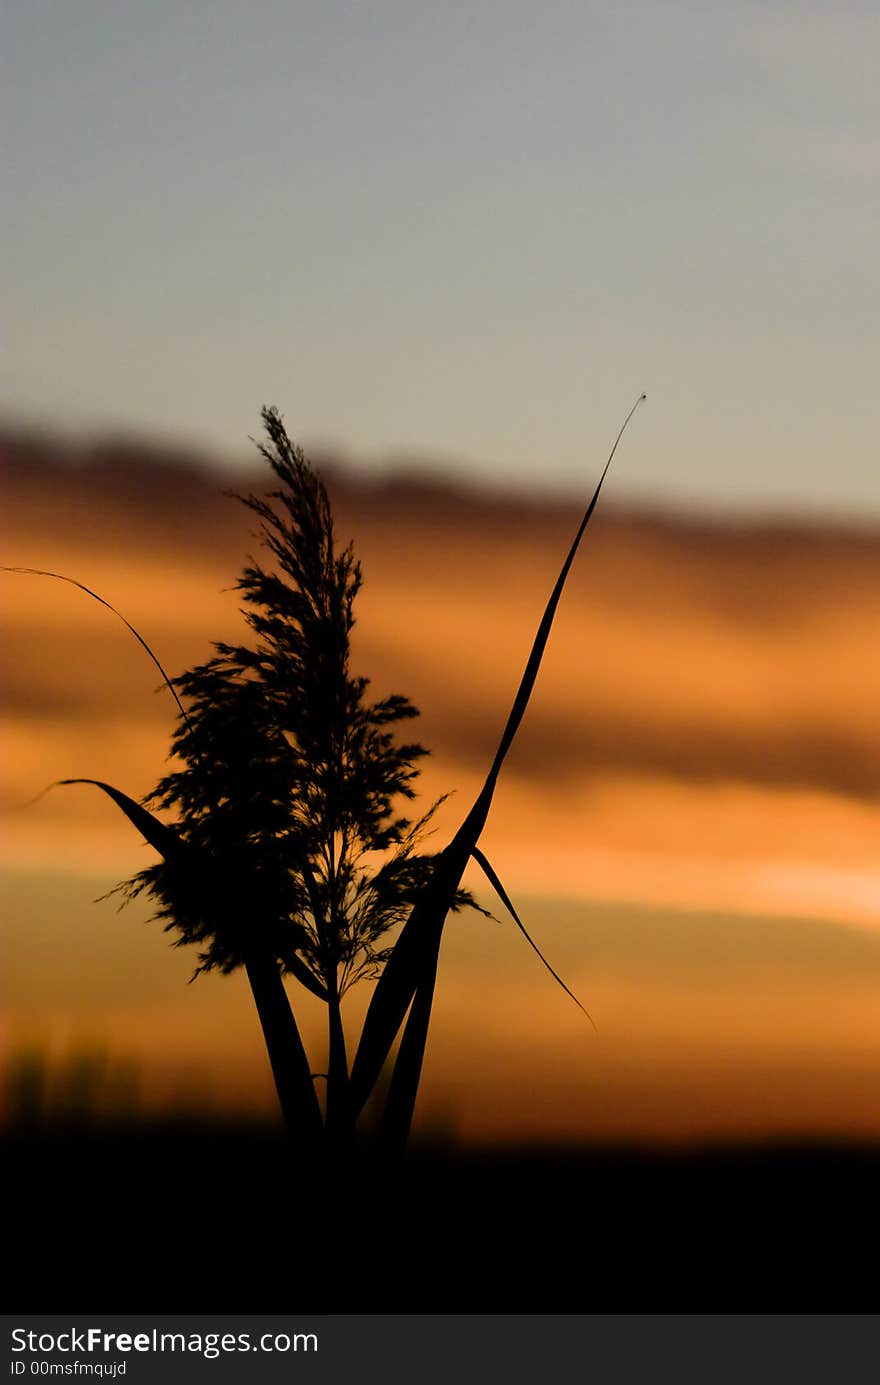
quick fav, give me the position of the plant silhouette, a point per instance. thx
(295, 857)
(289, 854)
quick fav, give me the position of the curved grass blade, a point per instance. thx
(505, 900)
(61, 577)
(160, 836)
(530, 673)
(410, 964)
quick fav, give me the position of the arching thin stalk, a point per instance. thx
(411, 968)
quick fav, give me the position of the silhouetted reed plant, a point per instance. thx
(288, 851)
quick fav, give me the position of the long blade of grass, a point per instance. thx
(494, 881)
(61, 577)
(527, 683)
(411, 963)
(160, 836)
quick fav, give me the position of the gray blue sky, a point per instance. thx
(469, 233)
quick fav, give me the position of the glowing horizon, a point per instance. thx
(688, 818)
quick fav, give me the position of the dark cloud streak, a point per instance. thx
(773, 588)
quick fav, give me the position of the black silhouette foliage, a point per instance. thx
(288, 849)
(290, 779)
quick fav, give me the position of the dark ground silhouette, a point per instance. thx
(198, 1218)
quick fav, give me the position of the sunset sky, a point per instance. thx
(688, 821)
(452, 244)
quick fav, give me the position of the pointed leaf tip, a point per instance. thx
(161, 837)
(493, 879)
